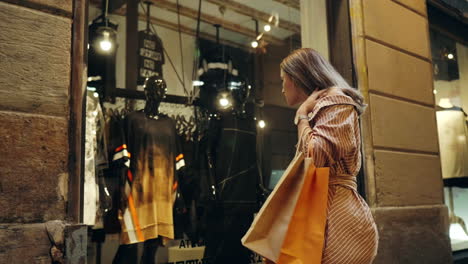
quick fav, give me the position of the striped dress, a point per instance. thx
(351, 235)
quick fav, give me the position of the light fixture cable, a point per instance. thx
(167, 55)
(180, 44)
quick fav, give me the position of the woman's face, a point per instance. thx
(292, 94)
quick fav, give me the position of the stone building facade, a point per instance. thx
(35, 96)
(402, 166)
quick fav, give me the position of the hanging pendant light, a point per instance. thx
(103, 33)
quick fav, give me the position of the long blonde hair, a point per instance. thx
(310, 71)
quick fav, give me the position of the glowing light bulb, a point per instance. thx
(261, 124)
(267, 28)
(450, 56)
(254, 44)
(105, 45)
(223, 102)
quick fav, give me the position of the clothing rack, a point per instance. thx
(179, 108)
(140, 95)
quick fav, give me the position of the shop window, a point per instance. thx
(233, 133)
(221, 89)
(450, 65)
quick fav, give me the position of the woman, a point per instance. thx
(330, 111)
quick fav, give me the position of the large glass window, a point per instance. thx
(450, 64)
(223, 113)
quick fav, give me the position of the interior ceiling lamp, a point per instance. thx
(254, 44)
(258, 37)
(224, 100)
(447, 53)
(102, 50)
(103, 36)
(103, 32)
(106, 42)
(221, 89)
(273, 20)
(262, 124)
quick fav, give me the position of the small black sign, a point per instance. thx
(150, 56)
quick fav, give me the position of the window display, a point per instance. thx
(450, 64)
(183, 172)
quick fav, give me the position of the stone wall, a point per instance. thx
(402, 166)
(35, 56)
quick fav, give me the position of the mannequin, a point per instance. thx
(230, 175)
(152, 162)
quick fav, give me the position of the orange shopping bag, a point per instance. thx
(304, 240)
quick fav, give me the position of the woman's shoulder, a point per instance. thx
(335, 100)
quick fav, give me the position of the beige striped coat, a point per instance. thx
(351, 233)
